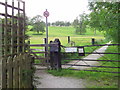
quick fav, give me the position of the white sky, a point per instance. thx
(62, 10)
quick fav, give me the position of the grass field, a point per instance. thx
(62, 33)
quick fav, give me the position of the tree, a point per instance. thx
(53, 24)
(38, 24)
(80, 24)
(104, 17)
(67, 23)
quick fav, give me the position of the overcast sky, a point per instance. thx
(62, 10)
(65, 10)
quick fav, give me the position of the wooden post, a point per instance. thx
(24, 26)
(1, 51)
(4, 74)
(51, 56)
(12, 31)
(5, 31)
(32, 77)
(55, 55)
(58, 54)
(68, 39)
(45, 41)
(10, 72)
(93, 41)
(28, 46)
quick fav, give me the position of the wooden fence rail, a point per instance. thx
(17, 72)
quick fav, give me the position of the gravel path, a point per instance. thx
(49, 81)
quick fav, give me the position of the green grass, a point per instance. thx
(62, 33)
(65, 31)
(96, 79)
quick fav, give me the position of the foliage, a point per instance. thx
(104, 17)
(30, 28)
(38, 24)
(61, 23)
(80, 24)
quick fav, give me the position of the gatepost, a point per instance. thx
(55, 56)
(93, 41)
(0, 54)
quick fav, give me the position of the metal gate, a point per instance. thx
(83, 63)
(79, 63)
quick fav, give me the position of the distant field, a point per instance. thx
(62, 33)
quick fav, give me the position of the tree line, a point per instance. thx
(60, 23)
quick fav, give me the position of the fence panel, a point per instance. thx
(16, 72)
(16, 63)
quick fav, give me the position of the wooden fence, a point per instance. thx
(39, 54)
(17, 72)
(16, 63)
(13, 29)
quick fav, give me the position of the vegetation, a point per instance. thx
(63, 32)
(60, 23)
(96, 79)
(38, 24)
(80, 24)
(104, 17)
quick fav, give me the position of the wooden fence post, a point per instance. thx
(93, 41)
(10, 72)
(45, 41)
(51, 56)
(55, 55)
(68, 39)
(4, 73)
(28, 46)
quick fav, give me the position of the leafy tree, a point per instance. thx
(38, 24)
(104, 17)
(67, 23)
(80, 24)
(53, 24)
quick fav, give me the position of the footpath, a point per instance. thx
(47, 80)
(91, 57)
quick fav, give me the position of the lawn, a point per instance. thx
(62, 33)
